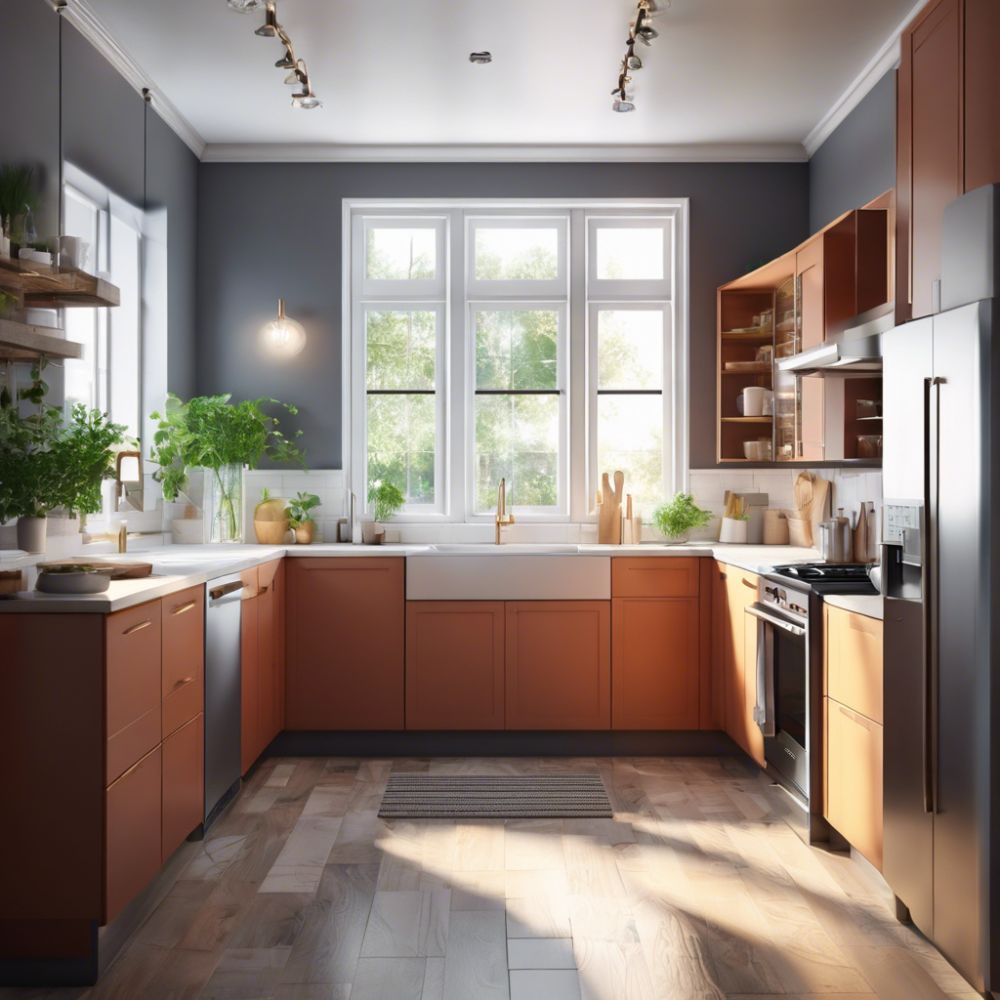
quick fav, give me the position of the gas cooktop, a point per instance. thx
(827, 578)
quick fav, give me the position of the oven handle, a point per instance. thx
(775, 621)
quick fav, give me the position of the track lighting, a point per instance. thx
(271, 28)
(639, 30)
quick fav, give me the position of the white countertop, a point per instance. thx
(869, 605)
(176, 567)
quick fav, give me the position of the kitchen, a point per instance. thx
(553, 550)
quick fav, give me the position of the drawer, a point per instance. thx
(132, 833)
(183, 784)
(132, 695)
(183, 672)
(854, 661)
(654, 576)
(854, 779)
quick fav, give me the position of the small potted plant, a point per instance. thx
(677, 518)
(386, 499)
(299, 518)
(270, 520)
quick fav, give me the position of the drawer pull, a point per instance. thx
(263, 590)
(138, 626)
(181, 608)
(747, 583)
(182, 682)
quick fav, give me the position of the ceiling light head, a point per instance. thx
(633, 61)
(246, 6)
(646, 33)
(307, 100)
(298, 76)
(622, 104)
(287, 61)
(283, 336)
(269, 29)
(481, 58)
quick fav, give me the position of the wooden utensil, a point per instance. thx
(609, 515)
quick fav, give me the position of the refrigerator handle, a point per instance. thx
(928, 587)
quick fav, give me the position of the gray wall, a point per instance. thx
(858, 160)
(270, 230)
(71, 104)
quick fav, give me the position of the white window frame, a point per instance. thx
(455, 484)
(554, 288)
(622, 289)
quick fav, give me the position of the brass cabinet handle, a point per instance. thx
(182, 682)
(747, 583)
(181, 608)
(138, 626)
(263, 590)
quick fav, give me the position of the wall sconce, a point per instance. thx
(283, 336)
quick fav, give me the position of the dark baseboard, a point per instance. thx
(693, 743)
(50, 972)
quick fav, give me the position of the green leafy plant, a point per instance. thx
(210, 432)
(679, 516)
(47, 462)
(17, 191)
(298, 509)
(385, 498)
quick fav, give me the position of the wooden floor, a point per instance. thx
(698, 889)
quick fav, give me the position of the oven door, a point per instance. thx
(781, 707)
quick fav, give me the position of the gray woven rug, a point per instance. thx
(430, 796)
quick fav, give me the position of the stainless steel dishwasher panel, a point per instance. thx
(223, 615)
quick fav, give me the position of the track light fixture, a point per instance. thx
(272, 28)
(640, 30)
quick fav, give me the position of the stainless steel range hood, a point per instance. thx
(855, 348)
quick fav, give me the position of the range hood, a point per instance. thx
(854, 348)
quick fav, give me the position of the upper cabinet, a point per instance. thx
(794, 305)
(948, 134)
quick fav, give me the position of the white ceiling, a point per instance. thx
(397, 72)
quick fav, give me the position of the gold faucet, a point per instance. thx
(120, 537)
(503, 518)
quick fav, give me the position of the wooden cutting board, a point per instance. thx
(115, 570)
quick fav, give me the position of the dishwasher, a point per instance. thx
(223, 617)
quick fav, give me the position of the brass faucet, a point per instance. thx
(120, 537)
(503, 518)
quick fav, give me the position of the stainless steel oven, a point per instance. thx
(781, 707)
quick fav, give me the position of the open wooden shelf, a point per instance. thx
(42, 287)
(746, 420)
(26, 342)
(743, 337)
(756, 370)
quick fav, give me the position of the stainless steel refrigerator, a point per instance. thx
(941, 565)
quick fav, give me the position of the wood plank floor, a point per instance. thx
(698, 889)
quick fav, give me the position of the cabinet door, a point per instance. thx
(982, 93)
(812, 333)
(268, 621)
(132, 713)
(930, 150)
(249, 683)
(741, 591)
(183, 783)
(345, 648)
(721, 643)
(854, 779)
(854, 661)
(558, 664)
(654, 576)
(754, 737)
(132, 833)
(183, 675)
(455, 665)
(655, 663)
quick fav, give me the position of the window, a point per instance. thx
(537, 344)
(108, 376)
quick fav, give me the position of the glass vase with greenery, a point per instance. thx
(222, 437)
(677, 518)
(386, 499)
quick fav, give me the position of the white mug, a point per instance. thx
(753, 401)
(75, 251)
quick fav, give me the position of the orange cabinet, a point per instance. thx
(133, 849)
(271, 643)
(853, 783)
(345, 643)
(654, 576)
(655, 662)
(183, 671)
(853, 660)
(132, 692)
(455, 665)
(183, 790)
(249, 683)
(558, 665)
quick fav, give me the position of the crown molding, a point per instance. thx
(79, 14)
(789, 152)
(885, 59)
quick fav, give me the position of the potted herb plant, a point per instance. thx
(386, 498)
(677, 518)
(46, 463)
(270, 519)
(299, 518)
(221, 437)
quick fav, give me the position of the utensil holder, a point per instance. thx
(733, 531)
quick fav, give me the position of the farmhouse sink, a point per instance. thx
(507, 573)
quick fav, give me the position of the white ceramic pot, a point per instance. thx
(733, 531)
(31, 534)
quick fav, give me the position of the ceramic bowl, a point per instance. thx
(78, 582)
